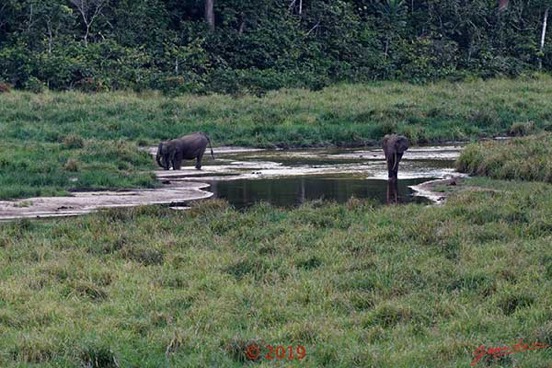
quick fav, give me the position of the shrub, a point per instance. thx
(71, 165)
(4, 87)
(35, 85)
(521, 129)
(72, 141)
(90, 84)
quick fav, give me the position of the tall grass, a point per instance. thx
(527, 158)
(68, 133)
(39, 169)
(355, 284)
(343, 114)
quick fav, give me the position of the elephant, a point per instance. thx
(394, 146)
(188, 147)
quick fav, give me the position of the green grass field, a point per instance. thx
(55, 142)
(528, 158)
(356, 284)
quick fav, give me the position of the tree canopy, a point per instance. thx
(256, 45)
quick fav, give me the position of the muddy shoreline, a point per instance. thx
(233, 163)
(85, 202)
(439, 190)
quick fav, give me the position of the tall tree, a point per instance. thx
(89, 11)
(543, 35)
(210, 13)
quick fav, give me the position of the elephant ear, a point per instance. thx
(401, 144)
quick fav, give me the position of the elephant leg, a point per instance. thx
(166, 162)
(198, 161)
(398, 157)
(177, 163)
(394, 172)
(176, 160)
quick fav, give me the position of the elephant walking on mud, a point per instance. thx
(394, 146)
(189, 147)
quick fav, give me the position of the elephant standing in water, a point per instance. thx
(172, 152)
(394, 146)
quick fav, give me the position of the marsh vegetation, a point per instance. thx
(58, 142)
(356, 284)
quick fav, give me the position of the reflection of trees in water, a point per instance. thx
(297, 190)
(301, 197)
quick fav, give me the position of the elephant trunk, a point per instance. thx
(395, 161)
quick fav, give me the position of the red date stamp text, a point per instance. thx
(275, 352)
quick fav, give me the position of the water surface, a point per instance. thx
(287, 178)
(290, 192)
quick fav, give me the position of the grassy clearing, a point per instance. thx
(344, 114)
(527, 158)
(41, 169)
(356, 284)
(51, 136)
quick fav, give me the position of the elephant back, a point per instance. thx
(192, 145)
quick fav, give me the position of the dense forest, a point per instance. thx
(235, 46)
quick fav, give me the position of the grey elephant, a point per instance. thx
(189, 147)
(394, 147)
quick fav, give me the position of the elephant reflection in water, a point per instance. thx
(392, 191)
(394, 147)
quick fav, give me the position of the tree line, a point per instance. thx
(235, 46)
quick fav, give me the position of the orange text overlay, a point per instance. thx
(275, 352)
(483, 352)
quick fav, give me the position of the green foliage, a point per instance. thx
(55, 142)
(43, 169)
(356, 284)
(518, 159)
(262, 45)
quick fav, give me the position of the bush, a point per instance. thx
(90, 84)
(35, 85)
(521, 129)
(72, 141)
(4, 87)
(525, 158)
(71, 165)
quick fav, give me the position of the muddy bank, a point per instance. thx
(85, 202)
(438, 190)
(237, 163)
(287, 178)
(418, 162)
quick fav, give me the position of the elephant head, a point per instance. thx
(166, 152)
(394, 147)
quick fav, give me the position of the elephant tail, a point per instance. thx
(211, 147)
(158, 156)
